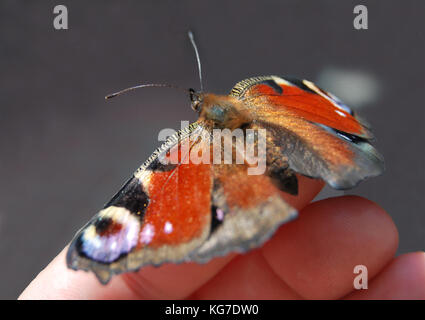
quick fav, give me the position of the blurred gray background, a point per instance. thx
(65, 151)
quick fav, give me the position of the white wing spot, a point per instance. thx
(168, 228)
(147, 234)
(113, 245)
(220, 214)
(342, 114)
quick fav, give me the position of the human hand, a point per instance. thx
(312, 257)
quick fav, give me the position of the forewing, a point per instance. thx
(160, 215)
(290, 97)
(190, 211)
(311, 130)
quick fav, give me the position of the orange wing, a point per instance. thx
(311, 129)
(160, 215)
(176, 208)
(300, 98)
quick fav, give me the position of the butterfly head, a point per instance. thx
(196, 100)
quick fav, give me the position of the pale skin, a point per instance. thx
(312, 257)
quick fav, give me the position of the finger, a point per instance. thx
(173, 281)
(56, 281)
(169, 281)
(246, 277)
(316, 254)
(404, 278)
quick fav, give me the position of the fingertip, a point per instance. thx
(308, 188)
(57, 282)
(170, 281)
(316, 254)
(403, 278)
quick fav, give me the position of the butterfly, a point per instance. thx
(176, 209)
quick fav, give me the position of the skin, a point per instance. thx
(312, 257)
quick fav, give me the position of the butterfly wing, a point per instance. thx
(311, 129)
(299, 98)
(246, 211)
(178, 207)
(160, 215)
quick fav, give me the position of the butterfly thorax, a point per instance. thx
(222, 111)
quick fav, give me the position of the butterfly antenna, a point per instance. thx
(192, 40)
(113, 95)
